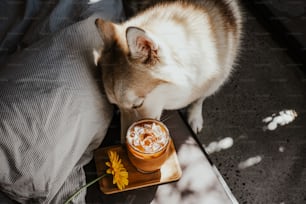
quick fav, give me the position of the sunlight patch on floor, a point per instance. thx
(282, 118)
(217, 146)
(93, 1)
(281, 149)
(198, 179)
(249, 162)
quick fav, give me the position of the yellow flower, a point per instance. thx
(116, 168)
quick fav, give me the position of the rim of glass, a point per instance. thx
(143, 121)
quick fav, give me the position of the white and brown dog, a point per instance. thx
(171, 55)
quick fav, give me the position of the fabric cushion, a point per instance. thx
(52, 115)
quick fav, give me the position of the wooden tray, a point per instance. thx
(170, 171)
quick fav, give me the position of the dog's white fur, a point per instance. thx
(196, 49)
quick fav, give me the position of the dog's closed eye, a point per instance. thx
(138, 103)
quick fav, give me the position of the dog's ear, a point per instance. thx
(141, 46)
(106, 30)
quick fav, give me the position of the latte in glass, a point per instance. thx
(147, 143)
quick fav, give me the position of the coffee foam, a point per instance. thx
(147, 137)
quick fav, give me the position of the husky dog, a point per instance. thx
(171, 55)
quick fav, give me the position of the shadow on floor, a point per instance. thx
(258, 164)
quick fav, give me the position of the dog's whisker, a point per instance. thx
(165, 118)
(137, 113)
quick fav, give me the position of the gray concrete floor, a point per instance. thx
(266, 81)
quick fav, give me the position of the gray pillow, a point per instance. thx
(52, 115)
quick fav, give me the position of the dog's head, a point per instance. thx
(132, 69)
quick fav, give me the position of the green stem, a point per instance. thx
(82, 188)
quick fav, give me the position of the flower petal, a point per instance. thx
(109, 171)
(120, 174)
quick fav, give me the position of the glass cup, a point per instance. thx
(147, 143)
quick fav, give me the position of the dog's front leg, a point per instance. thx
(194, 114)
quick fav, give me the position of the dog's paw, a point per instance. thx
(195, 121)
